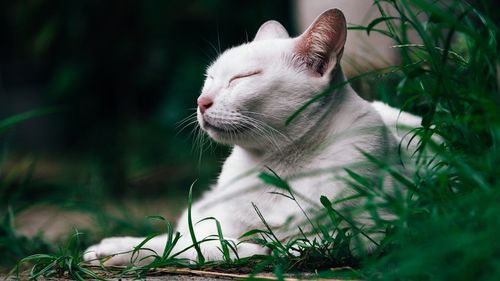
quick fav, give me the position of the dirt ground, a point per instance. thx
(56, 223)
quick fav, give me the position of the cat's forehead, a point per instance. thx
(248, 56)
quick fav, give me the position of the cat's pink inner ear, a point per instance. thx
(271, 30)
(323, 42)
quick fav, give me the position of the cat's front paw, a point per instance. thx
(117, 251)
(211, 251)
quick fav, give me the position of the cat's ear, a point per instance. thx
(321, 46)
(271, 30)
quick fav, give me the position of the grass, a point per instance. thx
(447, 220)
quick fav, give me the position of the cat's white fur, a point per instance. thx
(253, 89)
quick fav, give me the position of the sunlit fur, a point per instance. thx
(311, 152)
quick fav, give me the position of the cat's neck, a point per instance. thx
(341, 101)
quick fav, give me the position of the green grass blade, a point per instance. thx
(201, 258)
(21, 117)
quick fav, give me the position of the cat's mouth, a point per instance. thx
(231, 130)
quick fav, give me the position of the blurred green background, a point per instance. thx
(118, 76)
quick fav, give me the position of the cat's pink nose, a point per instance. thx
(204, 103)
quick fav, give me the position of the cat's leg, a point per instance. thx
(210, 246)
(120, 250)
(211, 250)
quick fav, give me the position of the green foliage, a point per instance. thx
(66, 262)
(460, 243)
(201, 259)
(448, 229)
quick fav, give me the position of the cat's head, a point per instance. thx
(251, 89)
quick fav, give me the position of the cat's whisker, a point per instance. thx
(214, 49)
(194, 131)
(192, 122)
(188, 118)
(201, 141)
(261, 130)
(274, 133)
(261, 114)
(187, 121)
(195, 138)
(198, 137)
(274, 130)
(231, 130)
(218, 41)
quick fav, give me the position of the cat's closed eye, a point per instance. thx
(244, 75)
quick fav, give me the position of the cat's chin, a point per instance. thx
(229, 135)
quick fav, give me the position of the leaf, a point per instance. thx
(380, 31)
(376, 21)
(271, 233)
(37, 257)
(328, 205)
(274, 180)
(358, 178)
(171, 241)
(201, 258)
(399, 177)
(160, 218)
(325, 233)
(325, 202)
(282, 194)
(253, 232)
(220, 236)
(135, 252)
(21, 117)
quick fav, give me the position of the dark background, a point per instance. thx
(121, 75)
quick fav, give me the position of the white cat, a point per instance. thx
(249, 92)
